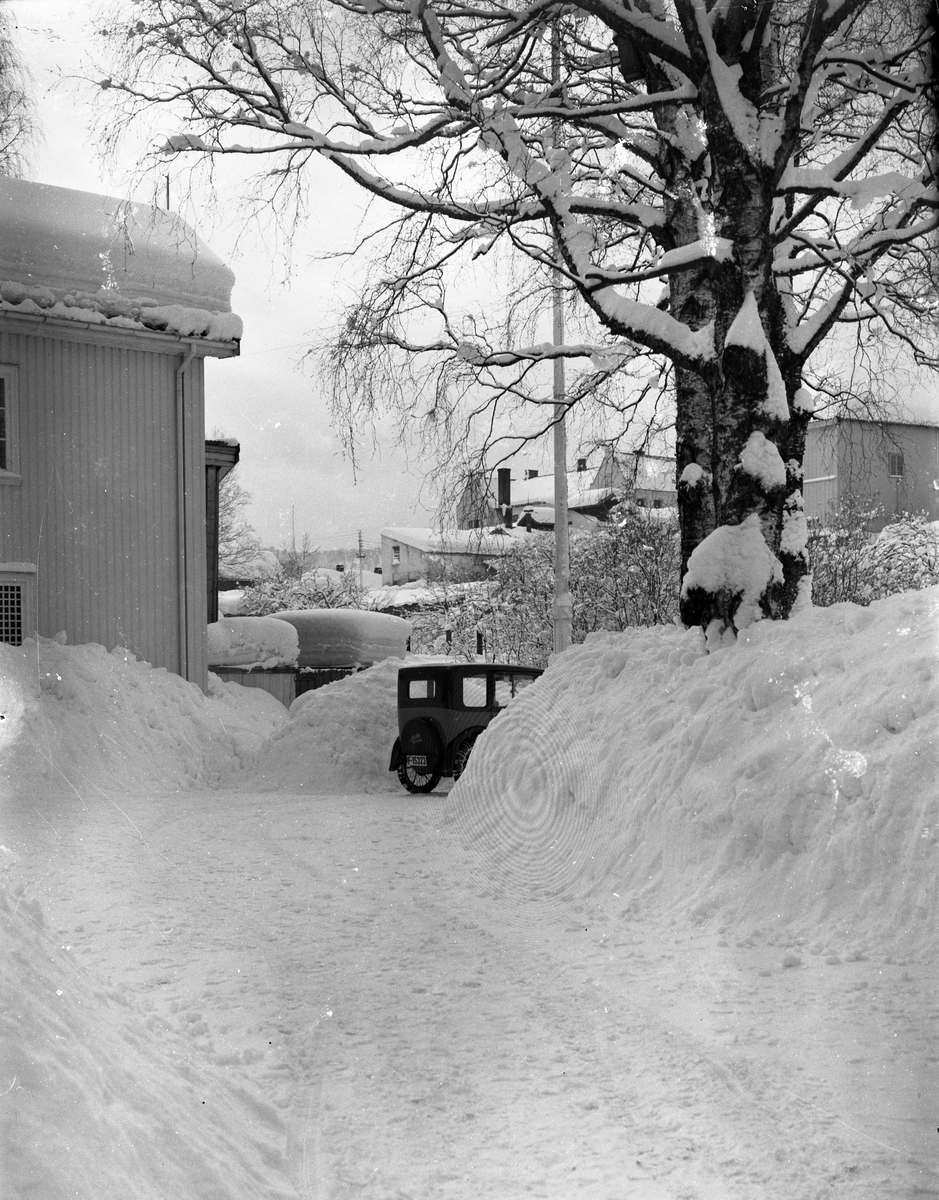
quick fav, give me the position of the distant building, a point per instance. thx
(108, 311)
(408, 553)
(593, 489)
(895, 463)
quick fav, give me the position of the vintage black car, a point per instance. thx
(442, 710)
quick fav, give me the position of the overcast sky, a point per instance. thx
(291, 462)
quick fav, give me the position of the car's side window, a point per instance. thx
(504, 691)
(473, 691)
(519, 682)
(421, 689)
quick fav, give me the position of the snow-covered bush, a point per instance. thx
(905, 556)
(851, 564)
(623, 574)
(315, 589)
(838, 550)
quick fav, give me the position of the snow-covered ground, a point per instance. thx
(673, 935)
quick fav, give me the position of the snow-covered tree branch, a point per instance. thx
(772, 163)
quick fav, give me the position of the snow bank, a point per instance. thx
(101, 1099)
(77, 717)
(337, 739)
(786, 782)
(252, 641)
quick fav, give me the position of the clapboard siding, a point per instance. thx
(820, 472)
(98, 508)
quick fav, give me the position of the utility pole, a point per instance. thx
(563, 608)
(360, 556)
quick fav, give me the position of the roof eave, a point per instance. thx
(155, 341)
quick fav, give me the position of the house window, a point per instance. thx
(15, 605)
(9, 450)
(895, 466)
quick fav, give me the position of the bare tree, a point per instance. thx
(16, 112)
(718, 185)
(238, 544)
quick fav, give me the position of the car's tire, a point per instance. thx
(420, 738)
(461, 758)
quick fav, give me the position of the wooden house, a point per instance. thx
(894, 463)
(108, 311)
(593, 489)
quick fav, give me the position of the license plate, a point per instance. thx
(417, 760)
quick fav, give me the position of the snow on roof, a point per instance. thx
(645, 472)
(454, 541)
(580, 494)
(100, 260)
(914, 408)
(252, 642)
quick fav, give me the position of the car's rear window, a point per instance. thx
(472, 692)
(508, 686)
(422, 689)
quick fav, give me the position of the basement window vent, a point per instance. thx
(11, 613)
(17, 581)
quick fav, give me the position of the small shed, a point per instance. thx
(108, 310)
(407, 552)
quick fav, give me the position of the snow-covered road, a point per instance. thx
(319, 973)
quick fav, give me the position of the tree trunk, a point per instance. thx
(740, 438)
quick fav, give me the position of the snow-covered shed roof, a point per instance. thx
(79, 256)
(540, 490)
(455, 541)
(912, 408)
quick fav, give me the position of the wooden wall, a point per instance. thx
(97, 510)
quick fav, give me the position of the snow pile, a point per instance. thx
(786, 782)
(252, 642)
(77, 717)
(337, 739)
(100, 1101)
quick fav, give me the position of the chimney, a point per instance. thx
(505, 495)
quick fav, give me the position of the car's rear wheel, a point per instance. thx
(419, 767)
(415, 779)
(461, 758)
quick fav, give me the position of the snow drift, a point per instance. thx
(82, 717)
(337, 739)
(787, 781)
(99, 1089)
